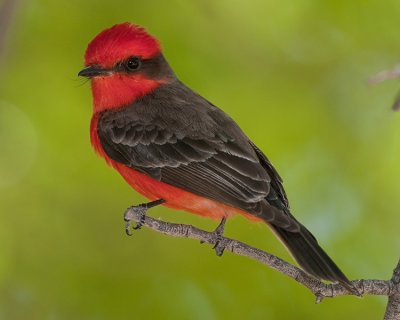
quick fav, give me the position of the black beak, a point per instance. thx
(93, 71)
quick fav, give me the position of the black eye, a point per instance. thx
(133, 63)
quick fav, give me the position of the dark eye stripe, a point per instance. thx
(156, 67)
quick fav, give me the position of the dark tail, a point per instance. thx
(311, 257)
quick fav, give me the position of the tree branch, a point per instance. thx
(384, 76)
(393, 306)
(320, 289)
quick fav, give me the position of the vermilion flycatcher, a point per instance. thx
(178, 149)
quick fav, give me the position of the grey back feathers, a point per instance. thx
(178, 137)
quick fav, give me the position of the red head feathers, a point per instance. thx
(106, 55)
(118, 43)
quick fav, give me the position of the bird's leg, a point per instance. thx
(219, 246)
(140, 210)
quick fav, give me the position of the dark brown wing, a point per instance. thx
(188, 143)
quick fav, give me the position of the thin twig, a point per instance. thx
(385, 75)
(320, 289)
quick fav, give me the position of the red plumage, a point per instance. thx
(118, 42)
(152, 189)
(171, 144)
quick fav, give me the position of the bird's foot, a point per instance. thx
(219, 245)
(138, 211)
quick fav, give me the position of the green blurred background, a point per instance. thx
(292, 73)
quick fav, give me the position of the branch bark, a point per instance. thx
(321, 290)
(393, 306)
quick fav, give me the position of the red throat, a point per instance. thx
(110, 47)
(115, 91)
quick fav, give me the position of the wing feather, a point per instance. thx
(196, 148)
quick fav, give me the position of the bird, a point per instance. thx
(179, 150)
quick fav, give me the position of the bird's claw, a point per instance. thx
(138, 213)
(219, 248)
(128, 228)
(219, 245)
(130, 213)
